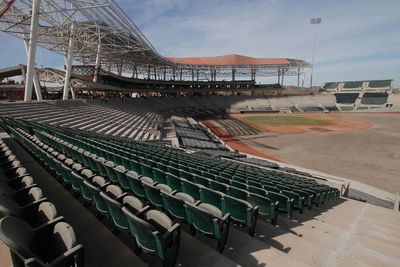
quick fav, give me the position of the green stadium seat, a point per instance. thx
(220, 187)
(174, 204)
(237, 193)
(286, 204)
(201, 181)
(159, 176)
(135, 184)
(191, 189)
(153, 193)
(266, 206)
(241, 212)
(174, 182)
(156, 234)
(54, 244)
(208, 220)
(298, 200)
(211, 197)
(146, 170)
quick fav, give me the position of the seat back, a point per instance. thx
(115, 210)
(191, 189)
(237, 193)
(46, 212)
(200, 219)
(211, 197)
(143, 232)
(174, 182)
(159, 176)
(147, 171)
(135, 185)
(201, 181)
(63, 238)
(220, 187)
(174, 206)
(153, 194)
(19, 237)
(239, 209)
(266, 206)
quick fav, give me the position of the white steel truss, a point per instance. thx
(101, 26)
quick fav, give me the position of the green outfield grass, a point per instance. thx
(283, 120)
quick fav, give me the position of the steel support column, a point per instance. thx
(97, 66)
(32, 50)
(279, 76)
(298, 77)
(69, 62)
(36, 81)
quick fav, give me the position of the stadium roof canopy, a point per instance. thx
(105, 35)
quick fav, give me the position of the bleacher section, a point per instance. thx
(374, 98)
(101, 117)
(346, 98)
(30, 225)
(386, 84)
(331, 86)
(203, 192)
(353, 85)
(152, 194)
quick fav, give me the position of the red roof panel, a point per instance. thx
(228, 60)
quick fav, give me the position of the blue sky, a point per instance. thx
(358, 39)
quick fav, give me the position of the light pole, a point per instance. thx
(314, 21)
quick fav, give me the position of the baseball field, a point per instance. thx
(361, 146)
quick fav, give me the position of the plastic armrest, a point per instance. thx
(226, 217)
(35, 203)
(33, 262)
(24, 188)
(66, 257)
(121, 196)
(46, 226)
(51, 222)
(104, 185)
(175, 227)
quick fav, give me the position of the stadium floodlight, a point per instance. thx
(314, 21)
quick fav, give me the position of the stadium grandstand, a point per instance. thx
(129, 158)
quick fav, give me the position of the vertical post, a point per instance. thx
(197, 75)
(180, 75)
(279, 75)
(36, 82)
(32, 50)
(283, 75)
(23, 72)
(69, 61)
(233, 74)
(165, 73)
(97, 66)
(192, 75)
(298, 77)
(148, 73)
(119, 69)
(314, 21)
(215, 75)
